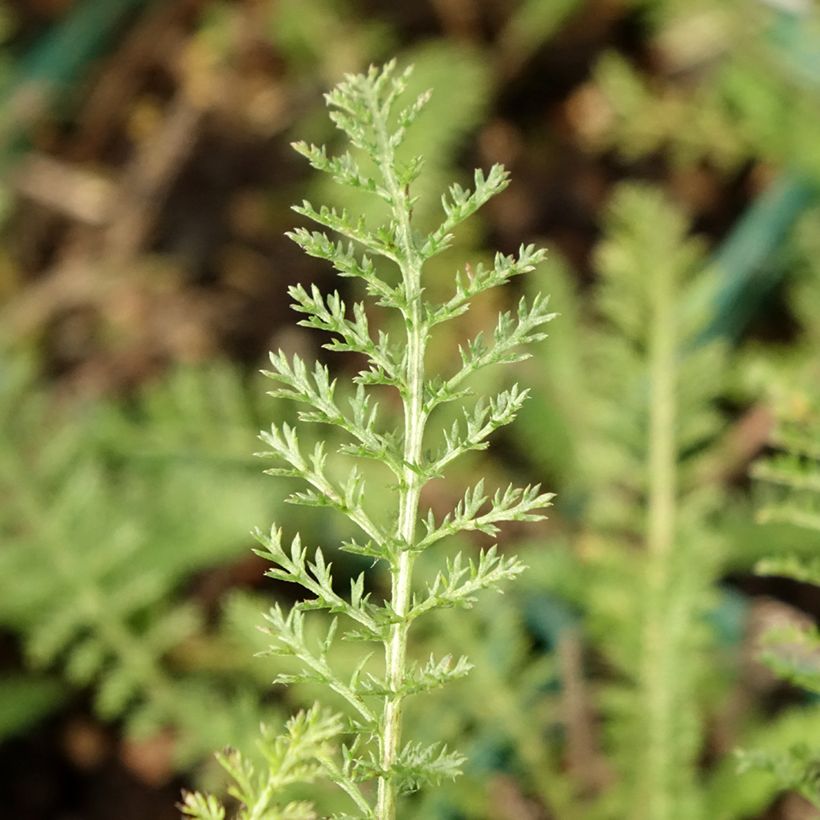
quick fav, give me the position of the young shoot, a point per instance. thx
(366, 751)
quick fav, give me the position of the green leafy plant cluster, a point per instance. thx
(617, 659)
(107, 514)
(370, 735)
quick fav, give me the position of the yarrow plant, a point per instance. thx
(367, 743)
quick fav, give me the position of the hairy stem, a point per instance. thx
(401, 572)
(659, 647)
(401, 569)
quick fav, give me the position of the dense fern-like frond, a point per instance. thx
(635, 393)
(367, 109)
(657, 393)
(299, 755)
(430, 141)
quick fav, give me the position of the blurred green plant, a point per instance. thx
(108, 511)
(650, 553)
(735, 81)
(733, 85)
(792, 480)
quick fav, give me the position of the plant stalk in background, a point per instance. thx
(316, 743)
(653, 430)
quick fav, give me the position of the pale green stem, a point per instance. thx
(401, 569)
(401, 583)
(658, 681)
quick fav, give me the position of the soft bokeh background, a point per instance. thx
(146, 180)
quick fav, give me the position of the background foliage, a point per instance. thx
(664, 151)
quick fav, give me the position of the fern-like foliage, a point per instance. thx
(657, 392)
(388, 259)
(107, 511)
(635, 394)
(792, 481)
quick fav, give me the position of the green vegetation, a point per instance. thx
(657, 658)
(367, 109)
